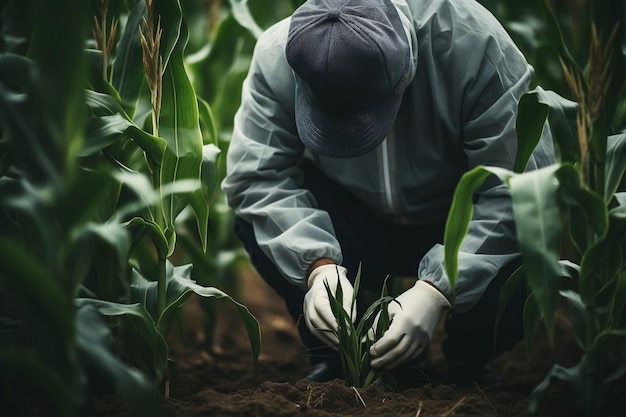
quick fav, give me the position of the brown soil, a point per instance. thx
(223, 383)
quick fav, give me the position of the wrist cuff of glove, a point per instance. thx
(331, 272)
(434, 294)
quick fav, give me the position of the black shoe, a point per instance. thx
(484, 377)
(324, 372)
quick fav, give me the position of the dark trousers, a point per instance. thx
(388, 249)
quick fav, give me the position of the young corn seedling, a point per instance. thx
(354, 342)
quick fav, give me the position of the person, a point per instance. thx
(357, 120)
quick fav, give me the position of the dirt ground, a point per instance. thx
(223, 383)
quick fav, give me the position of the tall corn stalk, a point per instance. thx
(584, 193)
(83, 185)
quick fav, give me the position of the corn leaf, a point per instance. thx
(128, 74)
(244, 17)
(109, 121)
(461, 211)
(93, 242)
(174, 28)
(573, 376)
(530, 122)
(555, 36)
(61, 75)
(24, 274)
(591, 205)
(354, 343)
(615, 165)
(208, 123)
(64, 399)
(612, 340)
(180, 127)
(94, 344)
(349, 341)
(607, 16)
(266, 13)
(201, 198)
(152, 344)
(179, 288)
(154, 231)
(219, 71)
(534, 108)
(507, 291)
(31, 145)
(531, 318)
(578, 317)
(15, 71)
(537, 216)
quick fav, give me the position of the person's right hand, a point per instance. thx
(318, 315)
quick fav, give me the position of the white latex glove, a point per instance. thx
(318, 315)
(413, 320)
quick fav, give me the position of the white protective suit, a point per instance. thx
(458, 112)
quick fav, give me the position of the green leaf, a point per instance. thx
(208, 123)
(531, 118)
(174, 28)
(61, 72)
(606, 16)
(507, 291)
(619, 299)
(589, 267)
(92, 242)
(590, 204)
(531, 319)
(615, 164)
(268, 13)
(111, 121)
(103, 132)
(128, 75)
(578, 317)
(23, 274)
(613, 340)
(461, 211)
(179, 288)
(538, 225)
(201, 199)
(94, 342)
(15, 72)
(570, 272)
(573, 376)
(147, 198)
(65, 399)
(219, 70)
(141, 187)
(154, 231)
(179, 125)
(558, 42)
(244, 17)
(153, 344)
(32, 146)
(534, 107)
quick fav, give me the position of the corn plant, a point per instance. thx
(582, 196)
(175, 151)
(354, 341)
(218, 64)
(94, 175)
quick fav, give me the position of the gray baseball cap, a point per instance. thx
(351, 60)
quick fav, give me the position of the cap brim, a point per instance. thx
(343, 135)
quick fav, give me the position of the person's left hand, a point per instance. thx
(414, 315)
